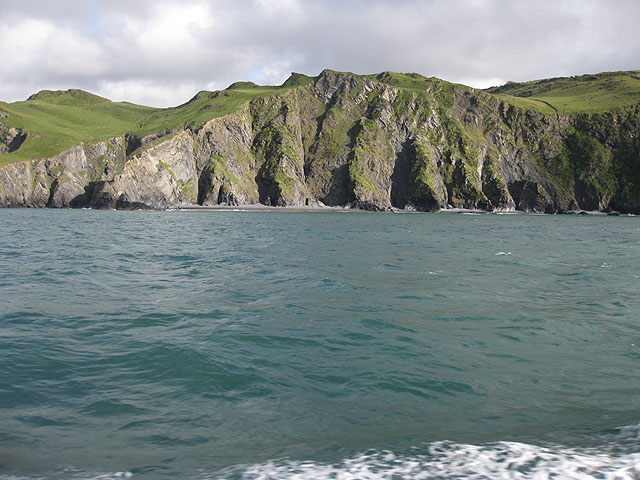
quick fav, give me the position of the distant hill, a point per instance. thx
(587, 93)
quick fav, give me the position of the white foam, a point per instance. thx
(445, 460)
(103, 476)
(109, 476)
(617, 459)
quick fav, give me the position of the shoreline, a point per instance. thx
(326, 208)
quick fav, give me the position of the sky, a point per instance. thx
(162, 52)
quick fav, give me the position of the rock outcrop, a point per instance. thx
(353, 141)
(11, 138)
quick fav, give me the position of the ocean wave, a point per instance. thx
(618, 459)
(447, 460)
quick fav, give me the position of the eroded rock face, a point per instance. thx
(225, 164)
(352, 141)
(161, 176)
(11, 139)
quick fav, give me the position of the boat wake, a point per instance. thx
(439, 460)
(448, 460)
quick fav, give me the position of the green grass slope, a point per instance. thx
(56, 121)
(584, 94)
(203, 107)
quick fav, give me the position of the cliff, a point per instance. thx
(371, 142)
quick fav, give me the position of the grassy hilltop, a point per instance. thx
(57, 120)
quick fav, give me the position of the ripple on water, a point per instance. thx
(168, 343)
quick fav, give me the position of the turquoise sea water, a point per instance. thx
(308, 345)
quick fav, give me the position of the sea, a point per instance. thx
(346, 345)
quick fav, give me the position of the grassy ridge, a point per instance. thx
(56, 121)
(583, 94)
(412, 81)
(59, 121)
(203, 107)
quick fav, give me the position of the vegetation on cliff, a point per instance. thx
(380, 141)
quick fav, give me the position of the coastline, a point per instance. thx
(326, 208)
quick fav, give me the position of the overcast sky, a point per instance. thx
(161, 53)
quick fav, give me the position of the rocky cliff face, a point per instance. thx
(354, 141)
(66, 180)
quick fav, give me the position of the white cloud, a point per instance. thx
(276, 72)
(482, 82)
(171, 33)
(147, 92)
(34, 47)
(162, 52)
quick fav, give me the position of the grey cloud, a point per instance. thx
(156, 51)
